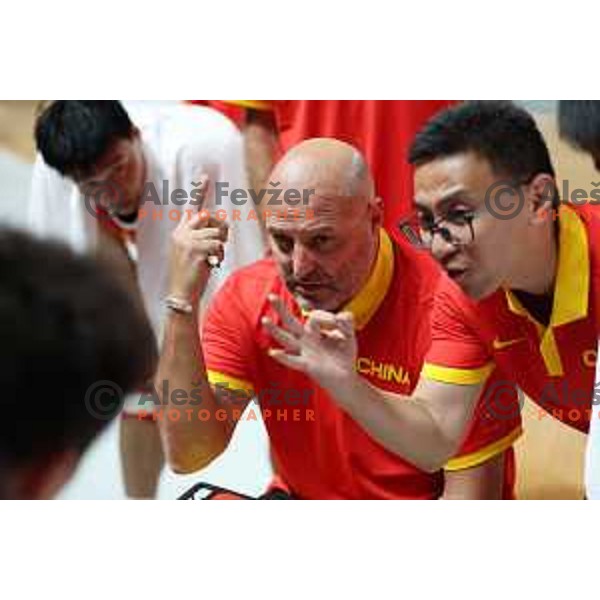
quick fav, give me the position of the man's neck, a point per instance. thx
(537, 266)
(534, 287)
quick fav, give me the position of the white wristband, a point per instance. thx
(179, 306)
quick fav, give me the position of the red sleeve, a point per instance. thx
(228, 340)
(457, 353)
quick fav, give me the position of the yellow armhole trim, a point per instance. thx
(477, 458)
(256, 104)
(217, 378)
(458, 376)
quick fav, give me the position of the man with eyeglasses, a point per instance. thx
(521, 294)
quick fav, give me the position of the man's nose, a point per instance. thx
(440, 248)
(302, 261)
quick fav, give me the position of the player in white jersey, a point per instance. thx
(116, 180)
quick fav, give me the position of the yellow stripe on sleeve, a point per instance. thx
(255, 104)
(457, 376)
(218, 378)
(480, 456)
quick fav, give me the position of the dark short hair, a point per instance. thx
(66, 324)
(72, 135)
(499, 131)
(579, 123)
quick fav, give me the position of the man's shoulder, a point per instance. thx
(449, 298)
(49, 177)
(253, 283)
(415, 271)
(589, 214)
(185, 138)
(182, 122)
(416, 262)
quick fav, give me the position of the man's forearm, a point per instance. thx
(190, 443)
(480, 482)
(404, 426)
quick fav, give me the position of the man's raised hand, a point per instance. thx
(197, 243)
(324, 347)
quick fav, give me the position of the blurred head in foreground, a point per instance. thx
(72, 345)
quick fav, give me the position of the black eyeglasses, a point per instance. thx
(420, 229)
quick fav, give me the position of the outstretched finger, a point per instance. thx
(292, 324)
(320, 321)
(345, 321)
(285, 338)
(198, 220)
(201, 190)
(291, 361)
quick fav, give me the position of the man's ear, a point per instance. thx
(376, 204)
(543, 194)
(45, 479)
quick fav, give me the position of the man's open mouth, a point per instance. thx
(456, 274)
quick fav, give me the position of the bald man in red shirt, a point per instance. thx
(337, 258)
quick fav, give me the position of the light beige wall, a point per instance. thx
(16, 127)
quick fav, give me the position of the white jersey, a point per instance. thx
(180, 143)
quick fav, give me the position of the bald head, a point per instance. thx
(326, 246)
(329, 166)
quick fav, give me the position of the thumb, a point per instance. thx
(345, 321)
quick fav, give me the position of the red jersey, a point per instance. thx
(319, 450)
(555, 364)
(382, 130)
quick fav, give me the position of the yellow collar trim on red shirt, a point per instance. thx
(365, 304)
(571, 289)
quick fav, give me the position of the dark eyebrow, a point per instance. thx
(460, 195)
(421, 207)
